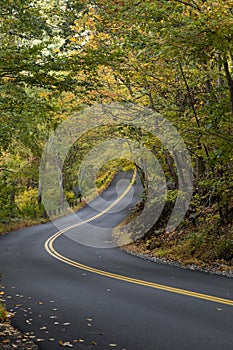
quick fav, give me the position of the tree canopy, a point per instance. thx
(175, 57)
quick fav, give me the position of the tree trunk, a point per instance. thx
(229, 82)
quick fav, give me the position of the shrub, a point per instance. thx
(225, 249)
(27, 204)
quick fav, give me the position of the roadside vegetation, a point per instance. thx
(191, 244)
(3, 313)
(28, 212)
(174, 57)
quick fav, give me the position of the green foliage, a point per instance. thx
(209, 243)
(174, 57)
(70, 196)
(33, 85)
(27, 204)
(3, 313)
(225, 249)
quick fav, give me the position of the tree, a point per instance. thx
(175, 57)
(33, 75)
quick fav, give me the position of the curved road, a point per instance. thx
(100, 298)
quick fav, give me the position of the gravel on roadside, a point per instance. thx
(214, 269)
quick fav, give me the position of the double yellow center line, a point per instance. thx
(49, 246)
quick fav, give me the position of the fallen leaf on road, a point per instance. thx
(65, 344)
(78, 341)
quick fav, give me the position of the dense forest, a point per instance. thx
(58, 57)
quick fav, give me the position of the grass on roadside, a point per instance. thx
(3, 313)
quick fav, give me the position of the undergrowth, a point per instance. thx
(205, 242)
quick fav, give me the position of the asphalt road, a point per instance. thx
(55, 301)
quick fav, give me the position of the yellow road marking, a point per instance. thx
(50, 249)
